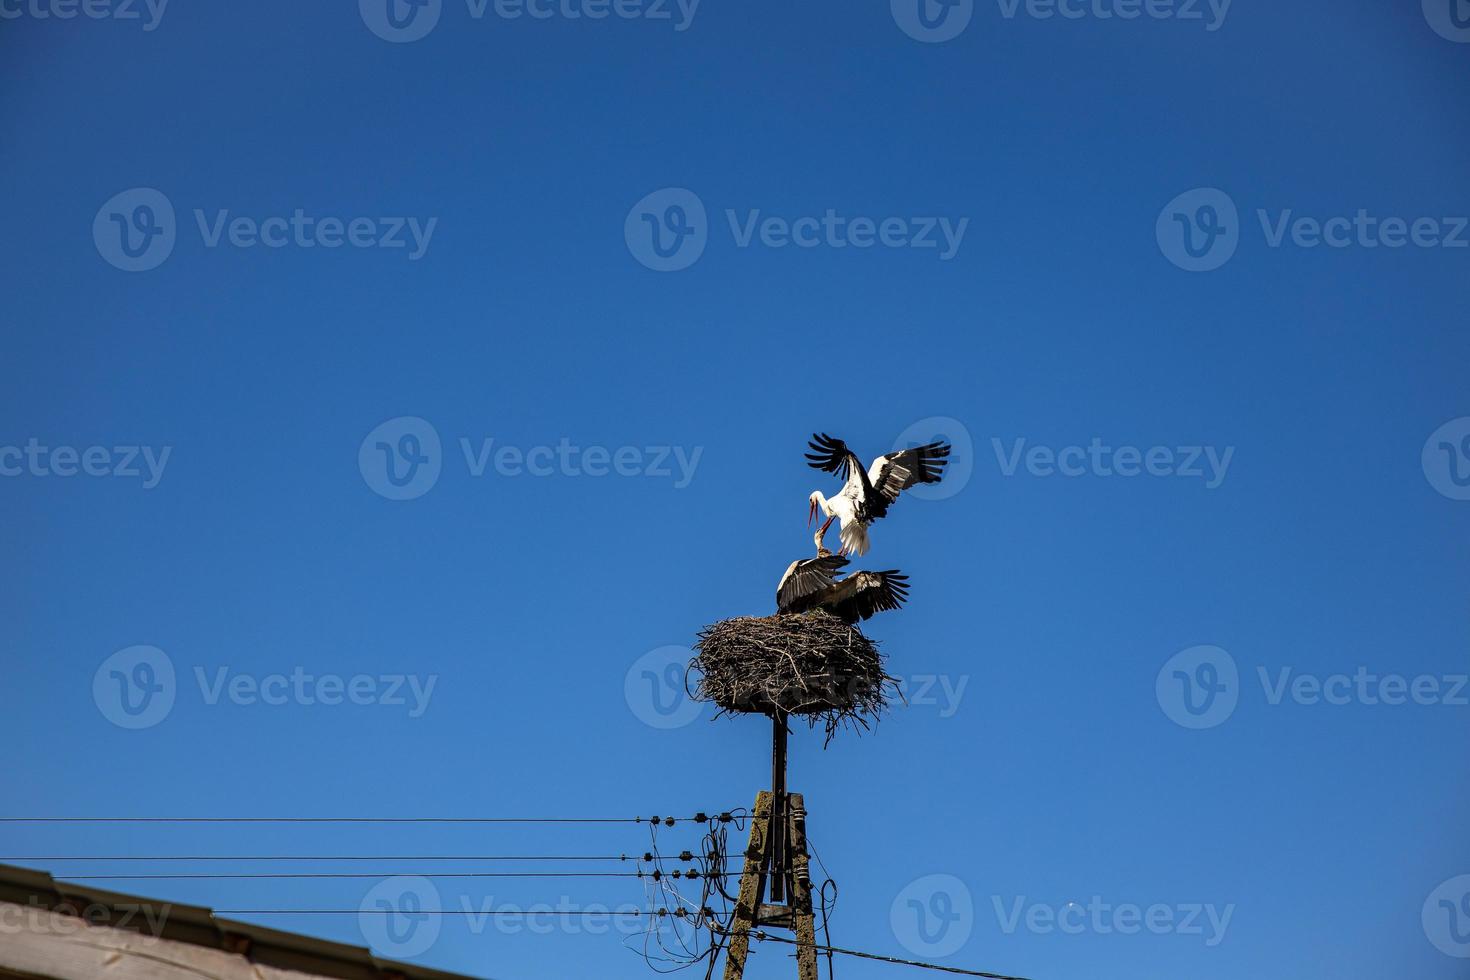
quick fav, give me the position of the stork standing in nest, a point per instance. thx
(811, 583)
(868, 493)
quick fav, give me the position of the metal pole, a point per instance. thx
(778, 807)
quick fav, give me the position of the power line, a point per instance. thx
(635, 913)
(393, 874)
(758, 934)
(323, 857)
(667, 821)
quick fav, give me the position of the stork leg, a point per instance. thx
(821, 537)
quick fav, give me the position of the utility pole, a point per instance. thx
(776, 861)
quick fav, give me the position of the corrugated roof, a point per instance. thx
(199, 926)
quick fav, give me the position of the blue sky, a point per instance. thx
(1136, 277)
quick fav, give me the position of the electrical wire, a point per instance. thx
(323, 857)
(353, 874)
(668, 947)
(473, 820)
(764, 937)
(519, 912)
(659, 890)
(661, 885)
(827, 907)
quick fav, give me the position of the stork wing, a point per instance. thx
(831, 454)
(896, 472)
(804, 580)
(871, 592)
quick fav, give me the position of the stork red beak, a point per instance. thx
(811, 514)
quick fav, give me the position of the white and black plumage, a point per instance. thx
(867, 494)
(811, 583)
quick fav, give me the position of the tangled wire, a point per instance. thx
(810, 664)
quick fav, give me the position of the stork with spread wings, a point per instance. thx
(868, 493)
(812, 583)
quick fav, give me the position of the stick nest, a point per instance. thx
(810, 664)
